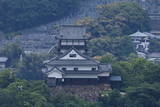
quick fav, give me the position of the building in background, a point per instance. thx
(141, 41)
(3, 63)
(154, 57)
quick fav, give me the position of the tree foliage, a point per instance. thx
(20, 14)
(6, 77)
(23, 94)
(30, 68)
(154, 45)
(118, 46)
(15, 92)
(119, 19)
(12, 52)
(146, 95)
(137, 71)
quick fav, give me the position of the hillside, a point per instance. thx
(18, 14)
(38, 38)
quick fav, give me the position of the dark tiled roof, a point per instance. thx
(55, 68)
(87, 61)
(105, 67)
(82, 72)
(115, 78)
(72, 62)
(139, 34)
(87, 57)
(72, 32)
(154, 55)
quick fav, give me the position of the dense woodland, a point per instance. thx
(110, 31)
(20, 14)
(119, 19)
(24, 85)
(154, 45)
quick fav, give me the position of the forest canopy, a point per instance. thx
(20, 14)
(118, 19)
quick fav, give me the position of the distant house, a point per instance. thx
(156, 32)
(72, 65)
(152, 36)
(3, 62)
(141, 41)
(154, 57)
(139, 37)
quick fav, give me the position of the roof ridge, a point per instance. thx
(54, 67)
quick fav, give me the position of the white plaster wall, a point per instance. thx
(73, 52)
(104, 74)
(82, 43)
(72, 43)
(62, 50)
(55, 74)
(82, 51)
(49, 67)
(2, 66)
(83, 68)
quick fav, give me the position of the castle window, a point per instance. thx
(64, 69)
(75, 69)
(72, 55)
(93, 69)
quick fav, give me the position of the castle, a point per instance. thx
(72, 65)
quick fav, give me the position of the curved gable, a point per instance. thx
(55, 73)
(72, 55)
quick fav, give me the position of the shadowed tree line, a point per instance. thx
(20, 14)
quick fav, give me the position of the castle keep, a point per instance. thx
(72, 65)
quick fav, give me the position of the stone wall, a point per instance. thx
(86, 92)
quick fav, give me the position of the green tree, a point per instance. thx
(108, 58)
(119, 19)
(120, 47)
(21, 94)
(146, 95)
(136, 71)
(154, 45)
(6, 77)
(30, 67)
(20, 14)
(12, 52)
(112, 99)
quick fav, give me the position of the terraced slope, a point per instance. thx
(41, 39)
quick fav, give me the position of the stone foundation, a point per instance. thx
(86, 92)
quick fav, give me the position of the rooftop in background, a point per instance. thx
(152, 35)
(139, 34)
(154, 55)
(144, 34)
(156, 32)
(115, 78)
(73, 32)
(3, 59)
